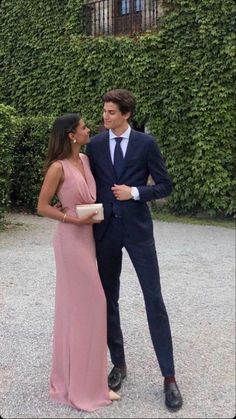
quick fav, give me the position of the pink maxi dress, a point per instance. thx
(79, 365)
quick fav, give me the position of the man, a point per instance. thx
(121, 160)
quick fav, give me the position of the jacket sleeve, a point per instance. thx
(162, 183)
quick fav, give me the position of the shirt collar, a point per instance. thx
(125, 134)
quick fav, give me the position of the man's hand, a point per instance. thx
(59, 206)
(122, 192)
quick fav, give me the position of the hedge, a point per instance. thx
(7, 126)
(29, 151)
(183, 78)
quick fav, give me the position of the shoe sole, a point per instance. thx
(173, 409)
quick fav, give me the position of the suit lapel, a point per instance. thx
(105, 149)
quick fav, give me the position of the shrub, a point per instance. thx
(7, 127)
(29, 151)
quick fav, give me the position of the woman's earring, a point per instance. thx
(74, 141)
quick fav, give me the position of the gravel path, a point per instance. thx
(197, 273)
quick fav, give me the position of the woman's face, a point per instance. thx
(81, 133)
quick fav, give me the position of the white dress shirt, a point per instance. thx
(124, 145)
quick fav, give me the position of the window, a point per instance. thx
(117, 17)
(124, 6)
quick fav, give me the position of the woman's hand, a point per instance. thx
(88, 219)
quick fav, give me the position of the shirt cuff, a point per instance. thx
(135, 193)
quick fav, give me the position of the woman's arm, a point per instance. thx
(49, 188)
(52, 180)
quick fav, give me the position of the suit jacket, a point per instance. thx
(143, 158)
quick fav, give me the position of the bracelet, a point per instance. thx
(64, 218)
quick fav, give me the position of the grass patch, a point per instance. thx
(200, 220)
(7, 225)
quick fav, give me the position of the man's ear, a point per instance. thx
(127, 115)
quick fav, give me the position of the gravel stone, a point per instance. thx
(197, 275)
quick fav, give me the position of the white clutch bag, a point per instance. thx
(88, 209)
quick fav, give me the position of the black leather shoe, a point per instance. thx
(173, 398)
(116, 377)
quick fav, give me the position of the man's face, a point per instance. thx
(113, 118)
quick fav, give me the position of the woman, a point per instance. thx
(79, 367)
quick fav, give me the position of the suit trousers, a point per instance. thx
(144, 259)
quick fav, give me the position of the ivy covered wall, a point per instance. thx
(182, 78)
(36, 37)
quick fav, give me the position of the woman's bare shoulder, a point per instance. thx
(57, 165)
(56, 168)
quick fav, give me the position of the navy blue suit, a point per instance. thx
(132, 228)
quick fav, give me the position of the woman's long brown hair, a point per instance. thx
(59, 146)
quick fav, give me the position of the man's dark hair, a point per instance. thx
(124, 99)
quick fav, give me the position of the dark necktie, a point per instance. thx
(118, 156)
